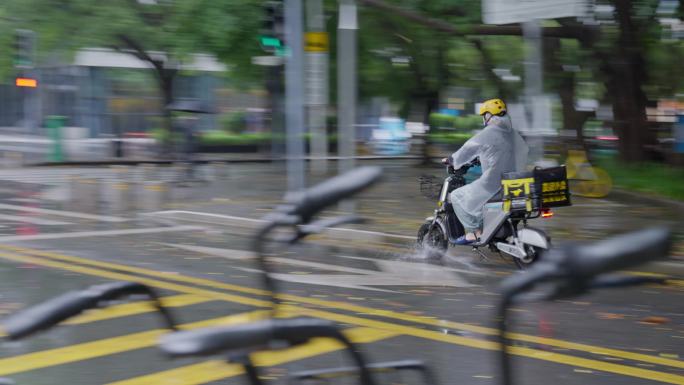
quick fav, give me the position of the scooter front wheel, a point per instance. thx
(432, 239)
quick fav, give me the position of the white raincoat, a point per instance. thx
(500, 149)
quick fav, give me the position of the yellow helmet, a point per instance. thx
(493, 106)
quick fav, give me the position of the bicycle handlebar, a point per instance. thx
(574, 270)
(576, 266)
(259, 335)
(249, 336)
(307, 203)
(616, 253)
(67, 305)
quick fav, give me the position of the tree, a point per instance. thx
(624, 54)
(162, 33)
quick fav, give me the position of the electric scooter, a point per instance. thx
(524, 196)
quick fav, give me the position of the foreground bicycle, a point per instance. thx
(52, 312)
(575, 270)
(240, 341)
(296, 217)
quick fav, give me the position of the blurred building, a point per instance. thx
(112, 93)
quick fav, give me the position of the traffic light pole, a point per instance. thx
(294, 95)
(346, 89)
(317, 85)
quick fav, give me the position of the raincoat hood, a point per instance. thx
(500, 149)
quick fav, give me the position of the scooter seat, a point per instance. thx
(497, 198)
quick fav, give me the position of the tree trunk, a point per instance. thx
(627, 75)
(165, 78)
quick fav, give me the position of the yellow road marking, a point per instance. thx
(674, 282)
(125, 277)
(103, 347)
(593, 349)
(218, 370)
(128, 309)
(490, 345)
(202, 373)
(465, 341)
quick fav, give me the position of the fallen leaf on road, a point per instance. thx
(602, 315)
(653, 320)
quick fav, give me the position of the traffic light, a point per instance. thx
(272, 37)
(23, 48)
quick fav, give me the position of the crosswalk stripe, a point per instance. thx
(32, 220)
(63, 213)
(408, 330)
(108, 346)
(368, 311)
(205, 372)
(129, 309)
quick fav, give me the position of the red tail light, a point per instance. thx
(547, 213)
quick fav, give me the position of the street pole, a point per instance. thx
(346, 88)
(534, 105)
(317, 84)
(294, 95)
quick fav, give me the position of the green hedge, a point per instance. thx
(458, 123)
(654, 178)
(450, 137)
(222, 138)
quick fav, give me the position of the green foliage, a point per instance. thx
(449, 137)
(178, 28)
(651, 178)
(465, 123)
(222, 138)
(234, 123)
(164, 136)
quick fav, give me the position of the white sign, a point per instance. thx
(269, 61)
(316, 78)
(517, 11)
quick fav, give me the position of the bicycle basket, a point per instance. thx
(430, 186)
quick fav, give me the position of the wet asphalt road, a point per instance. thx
(394, 301)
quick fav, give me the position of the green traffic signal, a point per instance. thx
(270, 42)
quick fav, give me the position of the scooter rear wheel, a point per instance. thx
(534, 254)
(432, 239)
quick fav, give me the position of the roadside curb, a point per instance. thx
(632, 195)
(128, 162)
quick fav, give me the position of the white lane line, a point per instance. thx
(244, 255)
(230, 220)
(81, 234)
(62, 213)
(32, 220)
